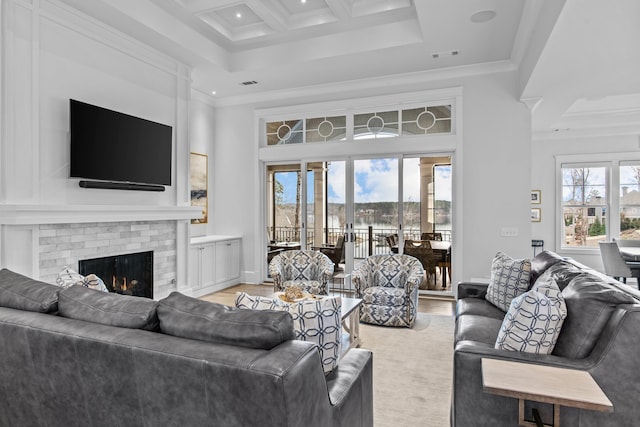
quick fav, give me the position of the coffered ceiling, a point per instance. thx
(252, 50)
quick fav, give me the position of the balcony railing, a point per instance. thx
(369, 241)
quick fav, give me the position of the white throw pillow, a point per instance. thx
(534, 321)
(316, 321)
(68, 277)
(509, 278)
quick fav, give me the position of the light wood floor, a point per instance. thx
(436, 306)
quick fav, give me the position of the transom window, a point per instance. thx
(424, 120)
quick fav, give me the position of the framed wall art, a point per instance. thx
(536, 214)
(536, 197)
(198, 181)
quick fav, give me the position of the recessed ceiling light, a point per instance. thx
(483, 16)
(213, 92)
(238, 15)
(303, 1)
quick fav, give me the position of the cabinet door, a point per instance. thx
(208, 264)
(227, 260)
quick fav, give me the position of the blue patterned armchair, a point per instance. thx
(311, 270)
(388, 285)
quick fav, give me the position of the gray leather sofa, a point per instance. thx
(79, 357)
(601, 335)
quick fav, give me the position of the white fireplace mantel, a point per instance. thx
(66, 214)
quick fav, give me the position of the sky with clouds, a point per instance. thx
(376, 180)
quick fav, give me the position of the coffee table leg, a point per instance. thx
(351, 324)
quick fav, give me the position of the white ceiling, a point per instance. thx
(575, 57)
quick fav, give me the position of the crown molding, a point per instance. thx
(370, 84)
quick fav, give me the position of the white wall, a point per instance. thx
(543, 173)
(201, 140)
(495, 173)
(492, 175)
(235, 176)
(52, 55)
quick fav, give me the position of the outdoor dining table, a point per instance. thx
(441, 247)
(444, 249)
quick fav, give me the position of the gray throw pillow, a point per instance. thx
(188, 317)
(24, 293)
(509, 279)
(124, 311)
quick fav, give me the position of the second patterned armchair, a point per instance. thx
(388, 286)
(311, 270)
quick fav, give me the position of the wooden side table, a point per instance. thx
(547, 384)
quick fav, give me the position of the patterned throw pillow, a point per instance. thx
(534, 321)
(68, 277)
(509, 278)
(316, 321)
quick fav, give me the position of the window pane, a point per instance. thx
(426, 120)
(630, 202)
(584, 227)
(285, 132)
(584, 185)
(584, 200)
(376, 125)
(326, 128)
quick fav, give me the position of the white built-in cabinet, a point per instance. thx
(214, 263)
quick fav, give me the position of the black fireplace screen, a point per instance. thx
(129, 274)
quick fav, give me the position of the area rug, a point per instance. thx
(412, 372)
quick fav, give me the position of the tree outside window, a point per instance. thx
(630, 201)
(584, 205)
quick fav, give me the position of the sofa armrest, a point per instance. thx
(354, 364)
(472, 290)
(351, 389)
(472, 350)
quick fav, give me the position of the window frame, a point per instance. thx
(612, 163)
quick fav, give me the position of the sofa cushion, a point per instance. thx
(534, 320)
(124, 311)
(477, 328)
(509, 278)
(561, 273)
(590, 303)
(23, 293)
(188, 317)
(478, 307)
(316, 321)
(541, 262)
(385, 296)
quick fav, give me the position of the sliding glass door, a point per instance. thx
(354, 208)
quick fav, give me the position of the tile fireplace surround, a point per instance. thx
(40, 241)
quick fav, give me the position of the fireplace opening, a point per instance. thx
(127, 274)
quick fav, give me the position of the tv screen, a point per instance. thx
(112, 146)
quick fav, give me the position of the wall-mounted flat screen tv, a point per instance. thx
(110, 146)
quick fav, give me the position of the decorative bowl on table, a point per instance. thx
(294, 293)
